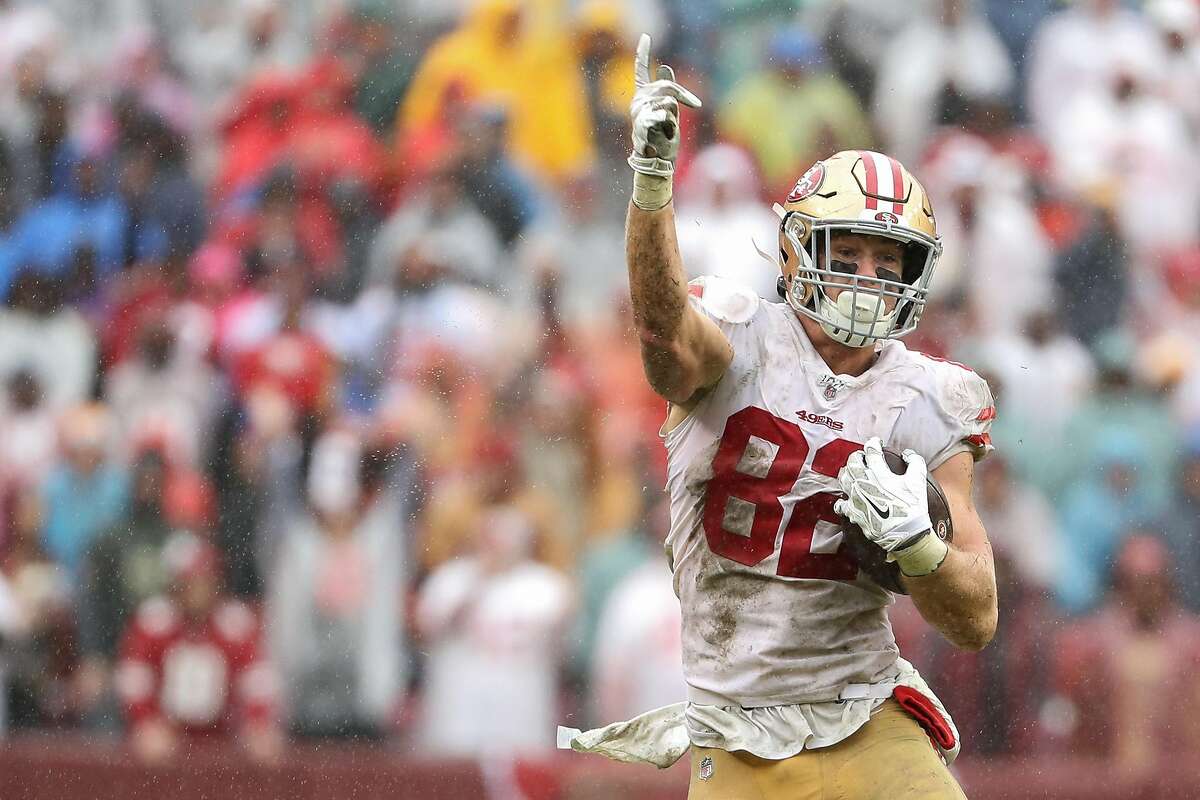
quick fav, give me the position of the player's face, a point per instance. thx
(868, 257)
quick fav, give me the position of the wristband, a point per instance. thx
(651, 165)
(652, 182)
(651, 192)
(921, 558)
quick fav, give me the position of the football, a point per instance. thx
(871, 558)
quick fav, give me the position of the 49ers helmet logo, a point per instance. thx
(888, 217)
(809, 182)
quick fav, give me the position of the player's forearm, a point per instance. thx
(959, 599)
(657, 284)
(681, 350)
(658, 290)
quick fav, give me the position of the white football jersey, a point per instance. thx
(775, 612)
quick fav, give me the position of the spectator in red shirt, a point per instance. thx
(291, 360)
(191, 666)
(328, 141)
(256, 132)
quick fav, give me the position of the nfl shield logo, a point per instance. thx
(830, 391)
(706, 768)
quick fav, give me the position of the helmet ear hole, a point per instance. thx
(781, 286)
(796, 289)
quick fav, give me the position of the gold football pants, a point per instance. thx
(888, 758)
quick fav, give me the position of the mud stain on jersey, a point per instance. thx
(746, 379)
(757, 458)
(738, 516)
(698, 473)
(731, 595)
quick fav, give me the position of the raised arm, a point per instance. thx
(683, 351)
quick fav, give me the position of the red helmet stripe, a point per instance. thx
(872, 187)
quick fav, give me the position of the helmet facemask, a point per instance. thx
(859, 316)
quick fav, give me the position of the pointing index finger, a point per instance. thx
(641, 61)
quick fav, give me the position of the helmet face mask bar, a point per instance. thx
(868, 194)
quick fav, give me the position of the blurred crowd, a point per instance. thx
(322, 416)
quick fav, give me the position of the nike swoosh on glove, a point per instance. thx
(892, 510)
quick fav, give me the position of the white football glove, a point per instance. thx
(892, 510)
(655, 112)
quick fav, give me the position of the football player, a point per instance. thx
(778, 415)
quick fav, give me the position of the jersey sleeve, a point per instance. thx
(954, 415)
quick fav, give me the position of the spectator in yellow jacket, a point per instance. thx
(505, 54)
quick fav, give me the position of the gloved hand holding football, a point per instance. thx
(898, 519)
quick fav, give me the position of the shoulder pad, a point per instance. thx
(725, 300)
